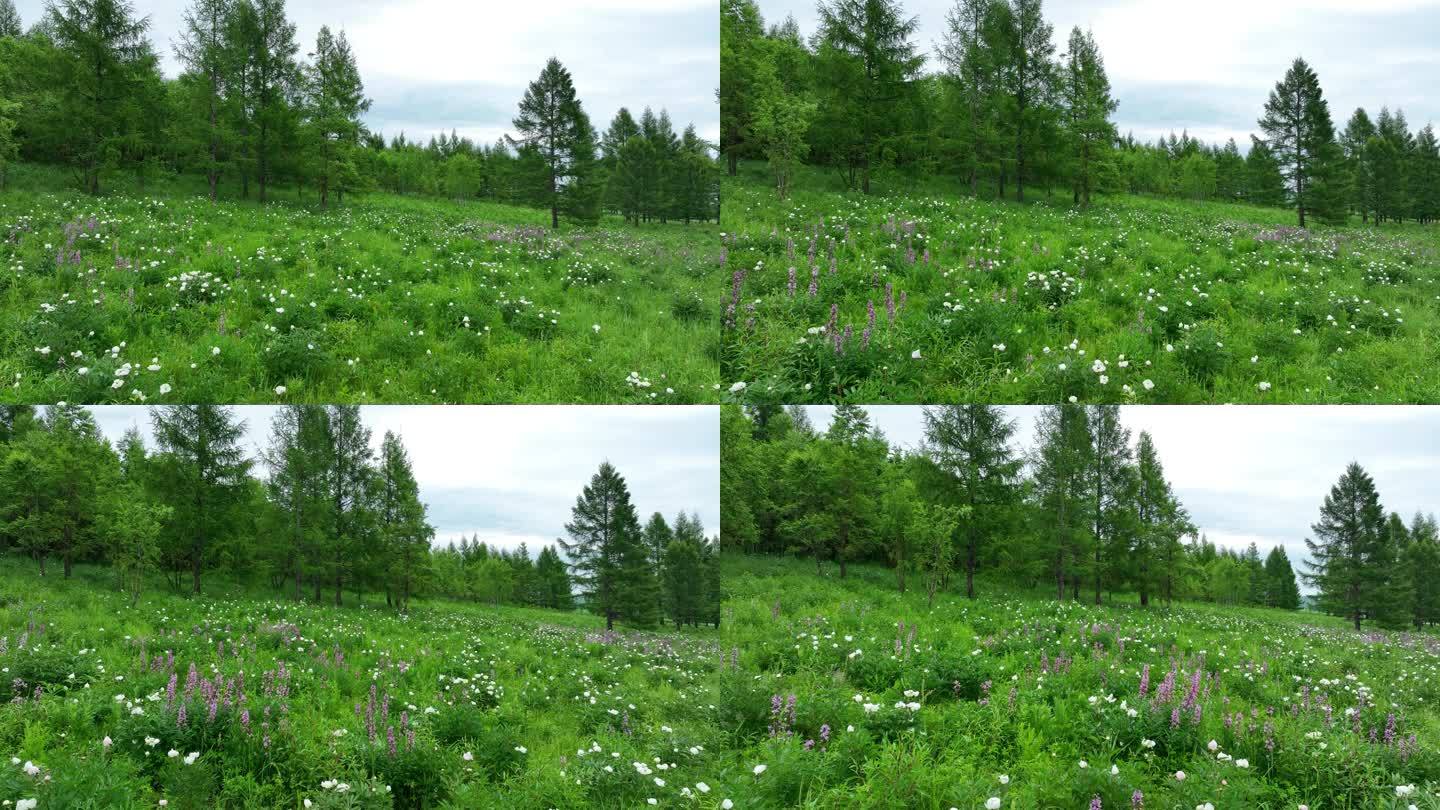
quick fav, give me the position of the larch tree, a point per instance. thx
(873, 61)
(1029, 80)
(1348, 545)
(349, 550)
(1108, 476)
(1160, 523)
(1353, 142)
(970, 446)
(604, 544)
(204, 475)
(202, 50)
(335, 100)
(1299, 132)
(551, 122)
(1060, 466)
(1085, 90)
(405, 534)
(9, 19)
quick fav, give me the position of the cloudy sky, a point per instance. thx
(1209, 66)
(511, 473)
(1256, 473)
(434, 65)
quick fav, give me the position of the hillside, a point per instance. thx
(160, 297)
(243, 699)
(921, 293)
(1015, 700)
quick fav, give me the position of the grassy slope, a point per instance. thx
(1061, 276)
(799, 634)
(533, 679)
(376, 297)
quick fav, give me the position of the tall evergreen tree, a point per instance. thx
(1349, 547)
(1062, 490)
(552, 122)
(335, 100)
(204, 474)
(970, 446)
(1353, 143)
(1299, 131)
(1265, 185)
(1109, 476)
(1085, 90)
(607, 554)
(404, 533)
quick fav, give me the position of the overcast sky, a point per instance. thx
(511, 473)
(434, 65)
(1209, 66)
(1255, 473)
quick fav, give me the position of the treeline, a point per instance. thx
(1370, 566)
(1005, 110)
(83, 88)
(1083, 513)
(329, 515)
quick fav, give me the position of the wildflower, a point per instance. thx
(1401, 791)
(1180, 776)
(1148, 385)
(1004, 779)
(1242, 763)
(280, 390)
(759, 769)
(1263, 386)
(31, 769)
(596, 327)
(468, 757)
(107, 742)
(1213, 746)
(191, 757)
(165, 388)
(26, 804)
(726, 805)
(172, 753)
(992, 803)
(702, 787)
(737, 387)
(915, 355)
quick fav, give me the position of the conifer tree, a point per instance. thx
(299, 463)
(1085, 90)
(335, 100)
(1265, 185)
(1062, 489)
(404, 532)
(9, 19)
(1349, 548)
(349, 547)
(551, 122)
(1282, 591)
(607, 555)
(872, 60)
(1109, 476)
(970, 446)
(203, 476)
(202, 49)
(1299, 132)
(1029, 80)
(1353, 143)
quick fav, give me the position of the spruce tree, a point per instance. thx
(1265, 185)
(1299, 132)
(1282, 591)
(1029, 80)
(1160, 523)
(1349, 548)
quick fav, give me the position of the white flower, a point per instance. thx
(307, 803)
(214, 350)
(759, 769)
(1084, 764)
(468, 757)
(596, 327)
(164, 388)
(1205, 806)
(702, 787)
(107, 741)
(1148, 385)
(915, 355)
(1402, 791)
(1098, 366)
(1263, 386)
(31, 769)
(1213, 746)
(992, 803)
(726, 805)
(1004, 779)
(280, 390)
(1180, 776)
(172, 753)
(737, 387)
(1114, 770)
(26, 804)
(151, 742)
(522, 749)
(191, 757)
(1242, 763)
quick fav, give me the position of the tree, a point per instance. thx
(1109, 475)
(970, 446)
(263, 52)
(1282, 591)
(974, 54)
(552, 122)
(1421, 562)
(1348, 547)
(107, 53)
(1299, 131)
(1060, 468)
(348, 546)
(203, 473)
(931, 529)
(870, 53)
(657, 537)
(606, 553)
(404, 533)
(1160, 523)
(9, 19)
(335, 100)
(553, 581)
(1265, 185)
(1353, 142)
(741, 27)
(202, 50)
(781, 124)
(1085, 90)
(1029, 79)
(131, 524)
(299, 458)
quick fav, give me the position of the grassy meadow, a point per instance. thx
(154, 294)
(242, 699)
(871, 698)
(921, 293)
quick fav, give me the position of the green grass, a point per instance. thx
(553, 711)
(1016, 303)
(1018, 685)
(384, 299)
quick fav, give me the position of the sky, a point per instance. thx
(1255, 473)
(435, 65)
(511, 473)
(1210, 66)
